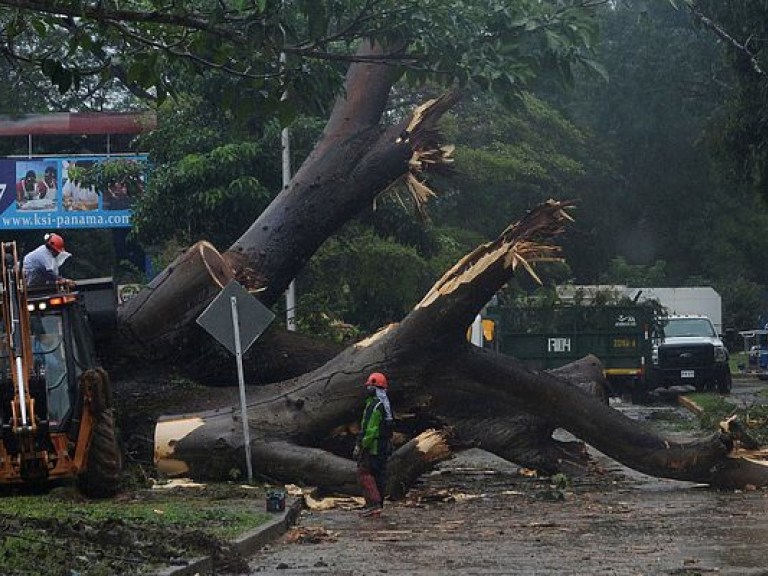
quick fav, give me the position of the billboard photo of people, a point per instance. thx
(36, 185)
(70, 192)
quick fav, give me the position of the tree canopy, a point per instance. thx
(663, 149)
(293, 47)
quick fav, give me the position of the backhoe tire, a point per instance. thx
(101, 478)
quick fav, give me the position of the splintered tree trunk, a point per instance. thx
(354, 161)
(160, 316)
(484, 398)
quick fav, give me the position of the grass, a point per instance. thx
(135, 533)
(669, 421)
(738, 359)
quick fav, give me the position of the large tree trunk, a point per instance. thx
(354, 161)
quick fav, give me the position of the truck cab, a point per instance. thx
(688, 351)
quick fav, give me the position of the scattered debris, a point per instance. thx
(330, 502)
(309, 535)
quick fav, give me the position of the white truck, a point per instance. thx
(689, 349)
(689, 352)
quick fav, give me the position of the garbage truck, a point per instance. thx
(549, 335)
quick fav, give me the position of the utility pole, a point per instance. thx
(285, 143)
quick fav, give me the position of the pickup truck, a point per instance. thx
(688, 351)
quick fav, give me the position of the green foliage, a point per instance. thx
(102, 175)
(557, 488)
(621, 272)
(128, 273)
(662, 123)
(212, 173)
(741, 144)
(498, 46)
(715, 409)
(364, 279)
(508, 159)
(744, 303)
(651, 117)
(212, 195)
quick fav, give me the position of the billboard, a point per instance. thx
(48, 193)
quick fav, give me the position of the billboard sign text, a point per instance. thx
(45, 193)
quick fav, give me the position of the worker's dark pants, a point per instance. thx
(372, 477)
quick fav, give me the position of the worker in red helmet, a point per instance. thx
(41, 266)
(374, 444)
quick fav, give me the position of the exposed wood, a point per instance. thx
(160, 317)
(416, 457)
(689, 404)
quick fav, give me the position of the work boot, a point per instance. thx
(371, 511)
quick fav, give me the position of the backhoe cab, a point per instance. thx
(56, 419)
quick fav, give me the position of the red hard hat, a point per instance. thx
(377, 379)
(54, 241)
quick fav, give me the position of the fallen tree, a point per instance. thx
(470, 396)
(478, 397)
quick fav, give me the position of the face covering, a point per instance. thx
(382, 396)
(371, 390)
(61, 257)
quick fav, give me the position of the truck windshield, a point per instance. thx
(680, 327)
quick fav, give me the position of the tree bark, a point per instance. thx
(159, 318)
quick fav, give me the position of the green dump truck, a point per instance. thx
(548, 336)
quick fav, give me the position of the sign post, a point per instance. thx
(236, 319)
(241, 385)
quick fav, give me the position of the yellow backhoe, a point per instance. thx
(56, 417)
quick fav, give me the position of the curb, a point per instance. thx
(246, 545)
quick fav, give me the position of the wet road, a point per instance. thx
(477, 515)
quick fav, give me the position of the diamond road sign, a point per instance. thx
(253, 317)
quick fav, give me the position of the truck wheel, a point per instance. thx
(101, 478)
(725, 383)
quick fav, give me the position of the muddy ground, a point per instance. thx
(479, 515)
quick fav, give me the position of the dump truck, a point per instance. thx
(56, 417)
(550, 335)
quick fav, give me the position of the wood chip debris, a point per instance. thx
(310, 535)
(445, 495)
(333, 502)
